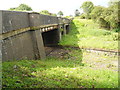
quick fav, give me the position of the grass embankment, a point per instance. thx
(86, 34)
(78, 68)
(73, 72)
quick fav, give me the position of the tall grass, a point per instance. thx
(55, 73)
(86, 34)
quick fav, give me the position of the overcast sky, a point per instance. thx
(67, 6)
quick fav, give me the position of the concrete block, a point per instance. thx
(35, 19)
(60, 20)
(40, 44)
(13, 20)
(40, 20)
(7, 52)
(26, 46)
(64, 31)
(18, 47)
(34, 42)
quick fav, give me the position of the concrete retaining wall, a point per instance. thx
(23, 35)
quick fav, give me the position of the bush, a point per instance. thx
(82, 16)
(116, 30)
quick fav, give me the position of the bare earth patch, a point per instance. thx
(93, 59)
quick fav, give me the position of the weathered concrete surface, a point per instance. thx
(18, 47)
(12, 20)
(35, 20)
(60, 20)
(28, 42)
(40, 45)
(39, 19)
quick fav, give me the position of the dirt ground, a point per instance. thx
(93, 59)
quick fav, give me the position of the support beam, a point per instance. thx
(40, 45)
(64, 32)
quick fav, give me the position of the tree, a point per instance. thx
(113, 18)
(22, 7)
(77, 13)
(107, 17)
(60, 13)
(12, 9)
(45, 12)
(87, 8)
(97, 12)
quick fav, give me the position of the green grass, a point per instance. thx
(86, 34)
(72, 72)
(78, 68)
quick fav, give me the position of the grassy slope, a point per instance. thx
(86, 34)
(80, 69)
(72, 72)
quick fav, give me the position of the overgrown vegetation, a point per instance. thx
(78, 68)
(106, 17)
(86, 34)
(22, 7)
(46, 12)
(71, 72)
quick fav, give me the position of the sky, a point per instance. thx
(68, 7)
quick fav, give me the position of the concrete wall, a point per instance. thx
(14, 20)
(21, 35)
(18, 47)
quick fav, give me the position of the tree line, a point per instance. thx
(107, 17)
(24, 7)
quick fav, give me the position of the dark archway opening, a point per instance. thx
(67, 29)
(51, 38)
(62, 32)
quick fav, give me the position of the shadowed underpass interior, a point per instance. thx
(51, 38)
(67, 29)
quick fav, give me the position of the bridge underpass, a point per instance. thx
(51, 38)
(23, 35)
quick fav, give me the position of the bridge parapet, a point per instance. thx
(66, 21)
(12, 20)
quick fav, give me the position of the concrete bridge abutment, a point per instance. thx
(24, 35)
